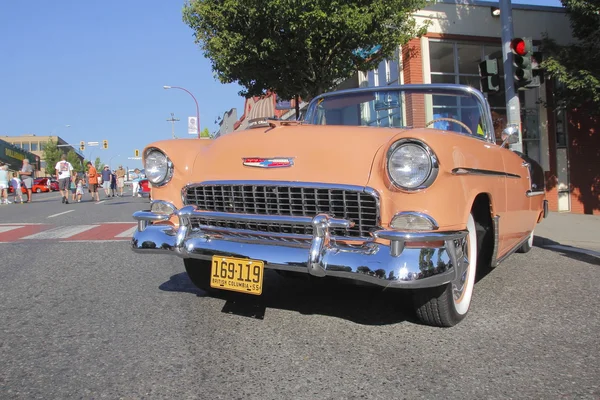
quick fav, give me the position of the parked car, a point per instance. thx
(402, 187)
(39, 186)
(144, 188)
(45, 185)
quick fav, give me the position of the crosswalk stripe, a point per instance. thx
(61, 232)
(9, 228)
(128, 233)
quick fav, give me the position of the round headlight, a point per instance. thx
(411, 166)
(157, 167)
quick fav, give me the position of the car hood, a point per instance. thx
(330, 154)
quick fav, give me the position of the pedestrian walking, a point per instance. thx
(113, 183)
(93, 181)
(79, 190)
(3, 184)
(26, 174)
(135, 180)
(64, 170)
(120, 179)
(106, 180)
(15, 182)
(73, 186)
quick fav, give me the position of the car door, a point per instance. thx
(517, 223)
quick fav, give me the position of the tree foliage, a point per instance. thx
(51, 155)
(98, 164)
(577, 65)
(298, 47)
(205, 133)
(74, 159)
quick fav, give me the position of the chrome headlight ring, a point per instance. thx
(428, 178)
(160, 170)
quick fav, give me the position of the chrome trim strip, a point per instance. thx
(432, 221)
(496, 223)
(485, 172)
(545, 208)
(267, 219)
(145, 217)
(435, 165)
(531, 193)
(429, 87)
(419, 236)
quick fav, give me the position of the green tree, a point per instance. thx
(577, 65)
(51, 155)
(98, 164)
(74, 160)
(298, 48)
(205, 133)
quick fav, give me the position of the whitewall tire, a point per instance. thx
(447, 305)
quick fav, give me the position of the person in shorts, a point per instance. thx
(64, 170)
(120, 179)
(92, 175)
(106, 181)
(27, 177)
(15, 182)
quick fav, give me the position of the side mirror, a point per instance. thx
(510, 135)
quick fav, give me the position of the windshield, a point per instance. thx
(449, 108)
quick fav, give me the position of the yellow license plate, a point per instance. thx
(237, 274)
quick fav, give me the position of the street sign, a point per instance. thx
(93, 143)
(134, 158)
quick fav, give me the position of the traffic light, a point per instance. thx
(82, 145)
(105, 144)
(490, 80)
(522, 49)
(136, 153)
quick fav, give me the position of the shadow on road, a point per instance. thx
(576, 253)
(321, 296)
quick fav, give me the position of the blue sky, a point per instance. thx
(100, 67)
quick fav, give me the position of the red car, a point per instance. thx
(39, 185)
(144, 188)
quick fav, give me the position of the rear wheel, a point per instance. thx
(199, 272)
(526, 247)
(448, 305)
(38, 190)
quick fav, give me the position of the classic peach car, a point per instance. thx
(402, 187)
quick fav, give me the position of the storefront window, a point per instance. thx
(34, 146)
(25, 146)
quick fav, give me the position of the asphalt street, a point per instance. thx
(91, 319)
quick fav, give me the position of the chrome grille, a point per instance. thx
(274, 199)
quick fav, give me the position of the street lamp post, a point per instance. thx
(110, 160)
(195, 101)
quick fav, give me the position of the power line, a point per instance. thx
(172, 120)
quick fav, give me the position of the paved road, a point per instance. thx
(91, 319)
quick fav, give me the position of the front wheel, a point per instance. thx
(38, 190)
(448, 305)
(199, 272)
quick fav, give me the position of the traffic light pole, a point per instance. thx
(513, 106)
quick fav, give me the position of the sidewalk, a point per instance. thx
(570, 232)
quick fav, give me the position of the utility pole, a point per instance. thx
(513, 106)
(172, 120)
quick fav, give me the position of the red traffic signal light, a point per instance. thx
(522, 49)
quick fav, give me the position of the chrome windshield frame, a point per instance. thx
(429, 87)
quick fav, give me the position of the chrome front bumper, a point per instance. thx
(387, 259)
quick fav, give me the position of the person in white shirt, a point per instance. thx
(64, 170)
(3, 184)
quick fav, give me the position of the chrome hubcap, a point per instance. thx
(459, 284)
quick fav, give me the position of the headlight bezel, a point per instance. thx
(168, 174)
(433, 162)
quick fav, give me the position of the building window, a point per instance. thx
(458, 62)
(34, 146)
(25, 146)
(42, 146)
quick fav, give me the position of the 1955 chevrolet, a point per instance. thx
(403, 187)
